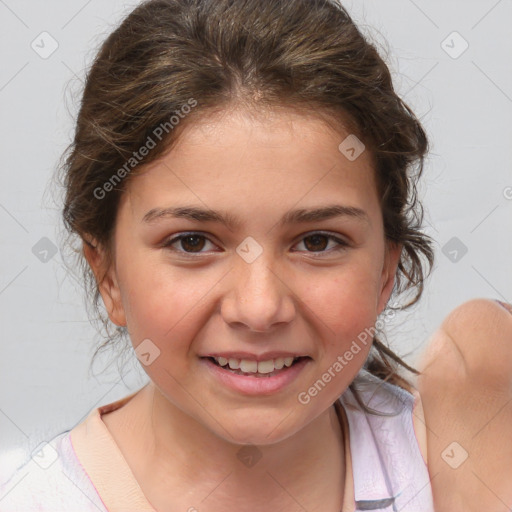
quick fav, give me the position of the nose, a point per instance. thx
(260, 298)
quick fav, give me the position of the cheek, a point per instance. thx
(344, 311)
(167, 311)
(345, 303)
(160, 304)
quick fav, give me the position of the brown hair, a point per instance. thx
(302, 54)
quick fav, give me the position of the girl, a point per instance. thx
(243, 180)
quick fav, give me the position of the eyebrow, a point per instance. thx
(298, 216)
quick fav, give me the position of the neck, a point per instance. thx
(187, 464)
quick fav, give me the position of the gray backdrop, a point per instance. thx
(452, 63)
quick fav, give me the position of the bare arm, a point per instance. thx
(466, 390)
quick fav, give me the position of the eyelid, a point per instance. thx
(179, 236)
(329, 234)
(341, 244)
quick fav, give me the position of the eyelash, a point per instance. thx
(342, 245)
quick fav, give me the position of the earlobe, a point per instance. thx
(107, 281)
(111, 295)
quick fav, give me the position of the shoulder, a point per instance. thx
(478, 336)
(52, 479)
(466, 393)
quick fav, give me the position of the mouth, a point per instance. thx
(256, 378)
(257, 369)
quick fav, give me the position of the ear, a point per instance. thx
(106, 279)
(391, 260)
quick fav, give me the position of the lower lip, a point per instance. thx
(250, 385)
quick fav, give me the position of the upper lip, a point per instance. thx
(266, 356)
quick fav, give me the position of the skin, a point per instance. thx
(182, 432)
(466, 390)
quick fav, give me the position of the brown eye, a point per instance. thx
(319, 242)
(316, 242)
(192, 242)
(188, 243)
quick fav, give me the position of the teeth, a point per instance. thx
(249, 366)
(234, 364)
(266, 366)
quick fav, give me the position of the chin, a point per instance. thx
(259, 428)
(254, 437)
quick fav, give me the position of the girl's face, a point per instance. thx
(284, 256)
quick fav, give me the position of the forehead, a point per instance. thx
(255, 162)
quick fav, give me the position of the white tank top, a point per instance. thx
(389, 473)
(388, 468)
